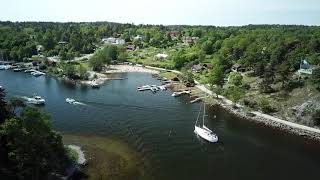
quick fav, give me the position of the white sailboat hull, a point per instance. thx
(206, 134)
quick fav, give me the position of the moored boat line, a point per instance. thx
(152, 88)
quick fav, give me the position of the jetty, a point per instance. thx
(195, 100)
(152, 88)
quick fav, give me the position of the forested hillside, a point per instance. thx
(269, 56)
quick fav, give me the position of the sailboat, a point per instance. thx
(204, 131)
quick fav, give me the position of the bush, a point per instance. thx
(292, 84)
(316, 117)
(250, 103)
(234, 93)
(43, 67)
(72, 154)
(265, 106)
(235, 78)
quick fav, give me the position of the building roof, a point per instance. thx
(236, 66)
(197, 67)
(161, 55)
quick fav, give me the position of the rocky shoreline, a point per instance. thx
(257, 117)
(267, 122)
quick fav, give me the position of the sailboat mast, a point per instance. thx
(198, 116)
(204, 113)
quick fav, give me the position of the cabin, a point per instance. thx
(138, 38)
(187, 40)
(130, 47)
(114, 41)
(161, 56)
(306, 68)
(174, 35)
(62, 42)
(200, 67)
(52, 62)
(39, 48)
(114, 62)
(238, 68)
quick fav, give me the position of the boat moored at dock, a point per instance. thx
(37, 73)
(17, 70)
(179, 93)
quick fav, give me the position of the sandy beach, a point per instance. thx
(129, 68)
(101, 78)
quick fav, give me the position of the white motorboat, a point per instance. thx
(176, 94)
(6, 67)
(163, 88)
(70, 100)
(203, 131)
(29, 70)
(143, 88)
(2, 67)
(38, 100)
(74, 102)
(195, 100)
(154, 89)
(17, 70)
(95, 85)
(37, 73)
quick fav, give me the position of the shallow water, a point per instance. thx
(160, 128)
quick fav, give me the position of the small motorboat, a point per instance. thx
(94, 85)
(154, 89)
(6, 67)
(37, 100)
(70, 101)
(29, 70)
(176, 94)
(37, 73)
(73, 101)
(143, 88)
(195, 100)
(17, 69)
(13, 67)
(162, 88)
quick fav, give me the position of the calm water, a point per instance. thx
(160, 128)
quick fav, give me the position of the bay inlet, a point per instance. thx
(158, 130)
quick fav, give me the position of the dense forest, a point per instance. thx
(253, 45)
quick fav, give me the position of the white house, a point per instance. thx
(138, 38)
(115, 41)
(306, 68)
(161, 56)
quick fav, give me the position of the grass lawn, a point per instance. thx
(168, 75)
(168, 64)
